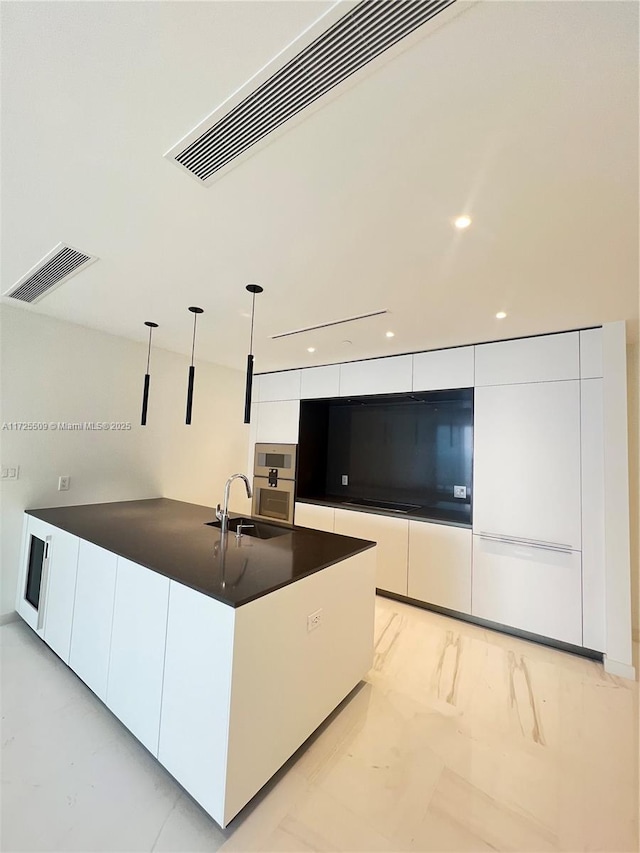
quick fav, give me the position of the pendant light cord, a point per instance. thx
(253, 314)
(193, 343)
(149, 350)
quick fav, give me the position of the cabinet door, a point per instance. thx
(92, 616)
(136, 664)
(278, 423)
(196, 695)
(392, 536)
(545, 358)
(284, 385)
(61, 592)
(533, 589)
(443, 369)
(440, 565)
(526, 480)
(316, 517)
(377, 376)
(320, 382)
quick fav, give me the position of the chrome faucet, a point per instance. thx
(223, 514)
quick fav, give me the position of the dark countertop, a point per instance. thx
(429, 514)
(171, 537)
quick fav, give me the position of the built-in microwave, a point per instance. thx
(274, 481)
(277, 460)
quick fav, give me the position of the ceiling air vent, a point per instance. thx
(355, 39)
(55, 268)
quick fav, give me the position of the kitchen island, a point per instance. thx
(221, 656)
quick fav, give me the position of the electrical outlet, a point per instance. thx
(460, 491)
(314, 620)
(345, 479)
(10, 472)
(64, 483)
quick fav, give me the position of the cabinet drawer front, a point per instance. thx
(440, 565)
(541, 359)
(532, 589)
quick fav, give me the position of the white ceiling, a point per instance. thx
(522, 114)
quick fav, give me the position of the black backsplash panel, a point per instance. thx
(404, 449)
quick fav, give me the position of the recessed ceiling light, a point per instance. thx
(501, 315)
(311, 349)
(391, 334)
(462, 222)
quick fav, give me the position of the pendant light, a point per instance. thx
(192, 371)
(252, 288)
(147, 376)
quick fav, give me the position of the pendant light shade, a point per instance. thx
(147, 376)
(253, 289)
(192, 371)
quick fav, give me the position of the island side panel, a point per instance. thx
(194, 719)
(287, 679)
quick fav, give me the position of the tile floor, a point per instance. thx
(461, 739)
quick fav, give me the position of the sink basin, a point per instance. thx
(258, 530)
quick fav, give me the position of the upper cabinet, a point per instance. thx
(277, 422)
(443, 369)
(378, 376)
(591, 354)
(284, 385)
(540, 359)
(320, 382)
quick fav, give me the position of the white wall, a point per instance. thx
(56, 371)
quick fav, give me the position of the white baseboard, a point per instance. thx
(5, 618)
(614, 667)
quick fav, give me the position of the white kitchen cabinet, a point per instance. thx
(278, 422)
(315, 516)
(92, 616)
(136, 664)
(317, 382)
(284, 385)
(593, 533)
(591, 354)
(196, 695)
(376, 376)
(392, 536)
(544, 358)
(61, 592)
(530, 588)
(440, 565)
(443, 369)
(526, 466)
